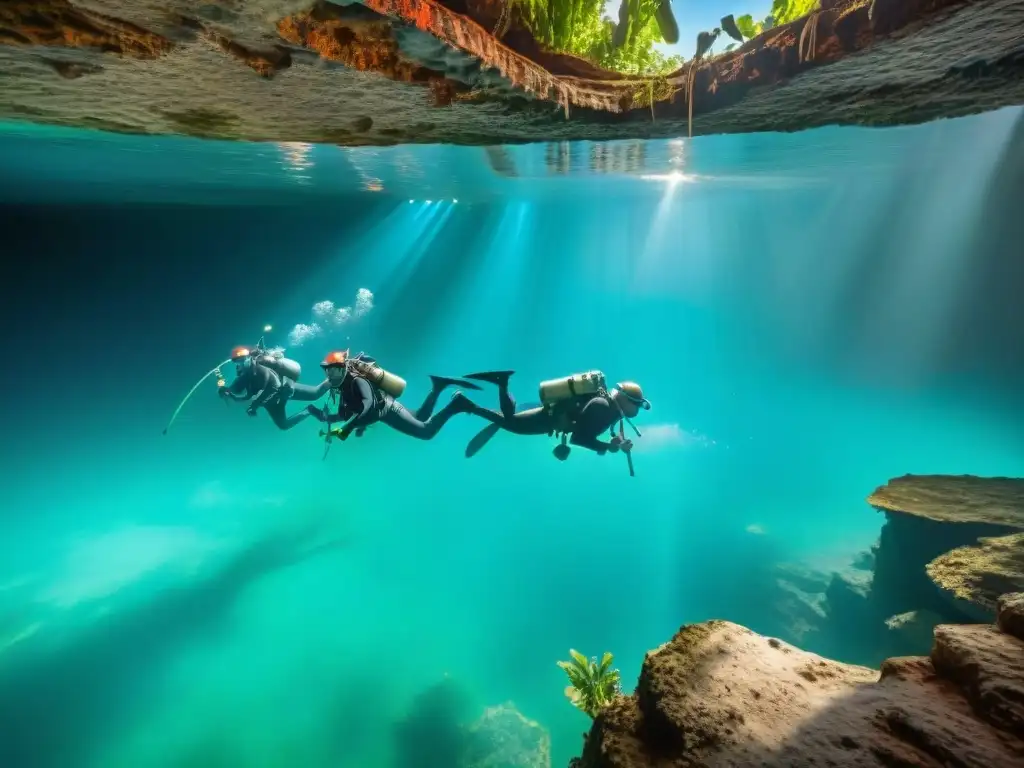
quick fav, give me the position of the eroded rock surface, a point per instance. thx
(391, 71)
(989, 666)
(718, 695)
(979, 574)
(1011, 614)
(996, 501)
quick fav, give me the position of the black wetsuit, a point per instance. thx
(584, 418)
(362, 404)
(273, 392)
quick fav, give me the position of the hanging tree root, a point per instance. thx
(650, 91)
(690, 80)
(504, 20)
(809, 34)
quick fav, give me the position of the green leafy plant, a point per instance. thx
(783, 12)
(580, 28)
(592, 685)
(750, 28)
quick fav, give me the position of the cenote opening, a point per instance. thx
(809, 316)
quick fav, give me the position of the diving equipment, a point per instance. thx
(208, 374)
(273, 359)
(281, 365)
(579, 384)
(498, 378)
(481, 439)
(632, 391)
(380, 378)
(334, 358)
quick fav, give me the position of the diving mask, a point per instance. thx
(632, 392)
(336, 374)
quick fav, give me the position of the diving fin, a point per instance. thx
(482, 438)
(441, 382)
(491, 377)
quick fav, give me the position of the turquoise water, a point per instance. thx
(810, 314)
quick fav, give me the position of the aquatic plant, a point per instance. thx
(592, 685)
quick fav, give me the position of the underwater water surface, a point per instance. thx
(810, 314)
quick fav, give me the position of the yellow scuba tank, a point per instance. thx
(383, 380)
(556, 390)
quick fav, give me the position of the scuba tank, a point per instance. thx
(569, 387)
(282, 366)
(383, 380)
(276, 361)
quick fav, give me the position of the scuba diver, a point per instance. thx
(368, 394)
(576, 408)
(271, 380)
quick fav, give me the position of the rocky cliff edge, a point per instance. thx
(392, 71)
(718, 694)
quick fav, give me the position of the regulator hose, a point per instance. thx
(181, 405)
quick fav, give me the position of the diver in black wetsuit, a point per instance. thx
(582, 418)
(361, 403)
(256, 379)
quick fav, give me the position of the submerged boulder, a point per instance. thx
(503, 738)
(438, 730)
(718, 694)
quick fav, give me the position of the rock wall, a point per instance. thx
(906, 546)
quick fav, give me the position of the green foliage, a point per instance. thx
(730, 28)
(783, 12)
(578, 27)
(592, 685)
(560, 25)
(748, 27)
(636, 56)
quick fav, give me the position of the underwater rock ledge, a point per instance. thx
(392, 71)
(948, 545)
(718, 694)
